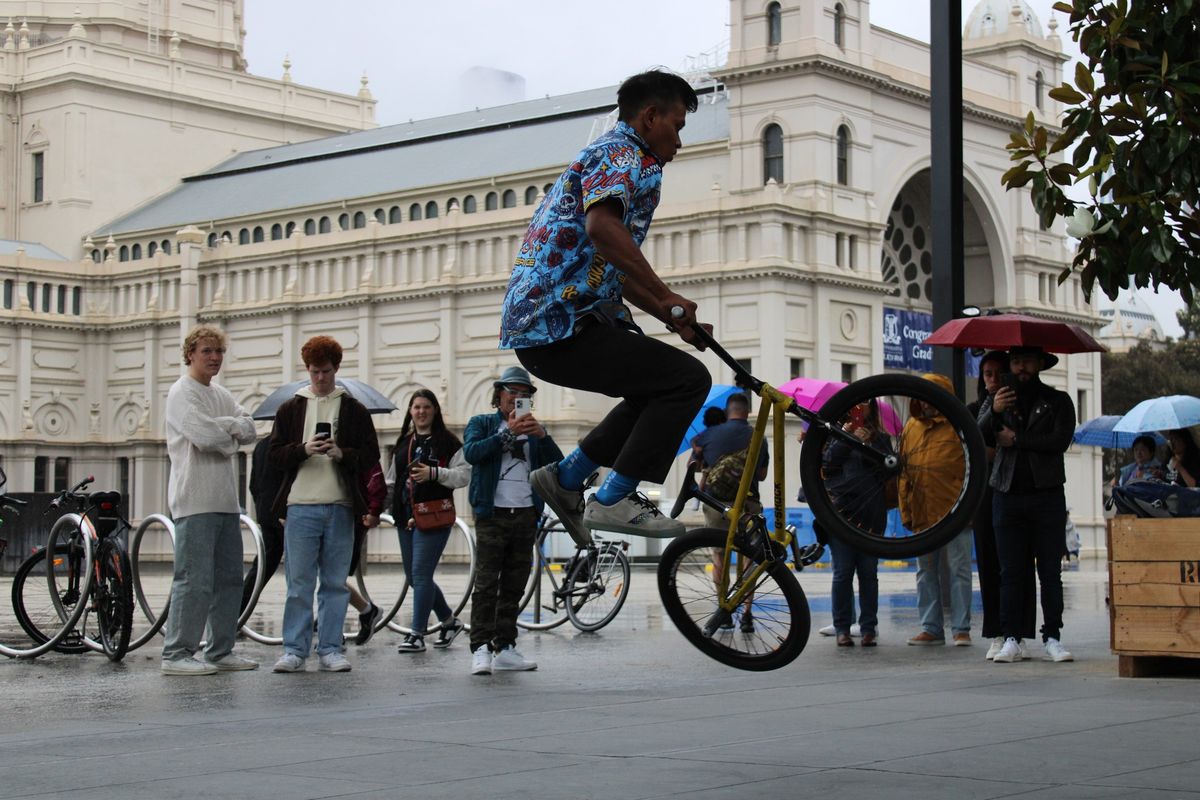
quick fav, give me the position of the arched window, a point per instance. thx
(226, 237)
(343, 222)
(46, 297)
(414, 211)
(310, 227)
(394, 215)
(381, 216)
(324, 225)
(289, 230)
(774, 24)
(258, 235)
(546, 189)
(135, 253)
(843, 155)
(1039, 86)
(469, 204)
(62, 299)
(151, 249)
(839, 25)
(360, 219)
(96, 257)
(491, 202)
(451, 204)
(773, 153)
(244, 236)
(76, 301)
(510, 199)
(531, 194)
(276, 232)
(212, 239)
(166, 246)
(431, 210)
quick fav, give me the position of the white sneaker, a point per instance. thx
(1056, 652)
(829, 630)
(994, 647)
(1009, 652)
(633, 514)
(509, 660)
(481, 661)
(187, 666)
(231, 662)
(333, 662)
(1024, 648)
(289, 662)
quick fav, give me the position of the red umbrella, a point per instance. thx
(1002, 331)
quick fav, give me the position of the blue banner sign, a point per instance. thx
(904, 335)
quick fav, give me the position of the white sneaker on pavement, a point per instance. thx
(333, 662)
(481, 661)
(634, 514)
(289, 662)
(566, 504)
(509, 660)
(1024, 648)
(231, 662)
(994, 647)
(1009, 652)
(187, 666)
(829, 630)
(1056, 652)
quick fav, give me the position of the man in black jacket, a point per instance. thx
(1030, 424)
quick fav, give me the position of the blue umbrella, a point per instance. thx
(1161, 414)
(1099, 432)
(717, 396)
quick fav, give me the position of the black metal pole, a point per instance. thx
(946, 139)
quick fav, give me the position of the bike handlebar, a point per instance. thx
(69, 494)
(740, 376)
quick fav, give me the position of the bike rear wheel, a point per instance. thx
(542, 607)
(938, 478)
(597, 587)
(768, 630)
(114, 599)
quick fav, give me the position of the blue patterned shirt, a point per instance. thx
(558, 276)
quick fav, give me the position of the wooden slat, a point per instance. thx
(1168, 631)
(1154, 539)
(1155, 583)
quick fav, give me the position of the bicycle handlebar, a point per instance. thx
(741, 377)
(69, 494)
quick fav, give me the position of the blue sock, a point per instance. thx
(575, 469)
(615, 487)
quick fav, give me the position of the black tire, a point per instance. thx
(114, 599)
(847, 506)
(547, 610)
(779, 609)
(597, 588)
(37, 615)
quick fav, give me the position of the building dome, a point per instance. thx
(997, 17)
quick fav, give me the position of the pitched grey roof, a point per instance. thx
(9, 247)
(523, 136)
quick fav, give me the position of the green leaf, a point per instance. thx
(1018, 170)
(1083, 78)
(1062, 142)
(1029, 125)
(1062, 174)
(1067, 94)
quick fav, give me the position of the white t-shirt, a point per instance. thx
(205, 426)
(513, 489)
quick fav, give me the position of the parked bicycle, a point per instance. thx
(731, 592)
(588, 587)
(88, 585)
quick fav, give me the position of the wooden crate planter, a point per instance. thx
(1154, 591)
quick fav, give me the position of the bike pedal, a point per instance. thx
(810, 554)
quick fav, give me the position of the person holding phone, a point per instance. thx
(429, 466)
(324, 443)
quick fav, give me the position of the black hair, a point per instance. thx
(1148, 441)
(654, 88)
(1001, 358)
(713, 416)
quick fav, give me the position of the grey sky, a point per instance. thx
(414, 52)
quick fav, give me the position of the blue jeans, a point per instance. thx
(421, 551)
(319, 541)
(1030, 530)
(207, 587)
(929, 586)
(846, 562)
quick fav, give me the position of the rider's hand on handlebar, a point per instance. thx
(672, 304)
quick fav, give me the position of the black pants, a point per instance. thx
(272, 533)
(662, 389)
(503, 558)
(988, 562)
(1030, 530)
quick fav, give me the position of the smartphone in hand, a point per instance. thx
(523, 406)
(324, 430)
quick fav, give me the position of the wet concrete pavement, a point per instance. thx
(630, 712)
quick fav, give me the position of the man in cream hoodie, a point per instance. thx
(205, 426)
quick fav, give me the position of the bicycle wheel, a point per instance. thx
(35, 612)
(597, 587)
(454, 575)
(938, 469)
(778, 624)
(542, 608)
(113, 596)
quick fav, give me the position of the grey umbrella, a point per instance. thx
(368, 395)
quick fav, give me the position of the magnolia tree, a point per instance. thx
(1132, 115)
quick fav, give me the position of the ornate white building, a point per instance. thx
(797, 212)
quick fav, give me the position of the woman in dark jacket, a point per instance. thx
(429, 466)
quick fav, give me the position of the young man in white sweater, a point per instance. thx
(205, 427)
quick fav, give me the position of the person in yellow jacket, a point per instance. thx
(929, 485)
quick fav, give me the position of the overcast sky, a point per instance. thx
(414, 53)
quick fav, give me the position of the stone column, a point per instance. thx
(191, 249)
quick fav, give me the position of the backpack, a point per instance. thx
(722, 479)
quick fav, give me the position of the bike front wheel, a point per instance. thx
(37, 615)
(597, 587)
(767, 630)
(922, 453)
(114, 599)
